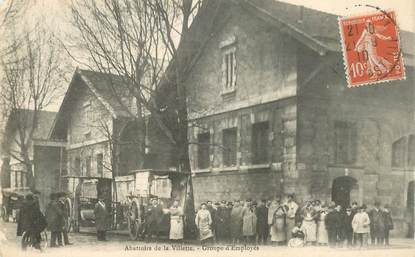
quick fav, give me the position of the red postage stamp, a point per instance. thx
(371, 48)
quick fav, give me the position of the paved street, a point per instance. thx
(85, 244)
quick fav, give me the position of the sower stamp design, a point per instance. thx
(371, 48)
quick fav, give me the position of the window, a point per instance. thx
(411, 151)
(229, 69)
(88, 166)
(345, 142)
(229, 137)
(100, 159)
(260, 142)
(77, 166)
(17, 179)
(203, 155)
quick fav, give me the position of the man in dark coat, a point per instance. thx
(333, 225)
(55, 220)
(154, 216)
(222, 221)
(101, 219)
(30, 222)
(377, 225)
(388, 223)
(262, 222)
(347, 226)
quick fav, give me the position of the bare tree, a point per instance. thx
(31, 76)
(147, 43)
(136, 39)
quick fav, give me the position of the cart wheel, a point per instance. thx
(4, 215)
(133, 228)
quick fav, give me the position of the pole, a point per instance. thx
(60, 168)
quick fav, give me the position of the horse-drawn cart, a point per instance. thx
(137, 190)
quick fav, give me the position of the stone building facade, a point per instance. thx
(271, 114)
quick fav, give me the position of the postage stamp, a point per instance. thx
(371, 48)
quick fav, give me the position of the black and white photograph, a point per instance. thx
(207, 128)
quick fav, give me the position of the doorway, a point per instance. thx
(341, 189)
(410, 205)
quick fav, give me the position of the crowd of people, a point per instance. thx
(286, 223)
(31, 221)
(276, 222)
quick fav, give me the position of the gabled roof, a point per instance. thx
(41, 131)
(315, 29)
(108, 88)
(310, 26)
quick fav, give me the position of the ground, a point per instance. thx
(85, 244)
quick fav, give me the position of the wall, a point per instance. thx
(381, 113)
(46, 168)
(246, 180)
(88, 115)
(266, 81)
(265, 67)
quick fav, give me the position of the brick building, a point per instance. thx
(270, 112)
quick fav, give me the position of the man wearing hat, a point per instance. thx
(101, 219)
(377, 225)
(347, 226)
(222, 220)
(333, 224)
(262, 222)
(154, 216)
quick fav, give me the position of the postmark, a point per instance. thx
(371, 48)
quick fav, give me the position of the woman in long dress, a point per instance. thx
(249, 223)
(322, 236)
(278, 227)
(203, 222)
(309, 225)
(176, 221)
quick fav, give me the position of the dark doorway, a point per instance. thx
(341, 188)
(410, 205)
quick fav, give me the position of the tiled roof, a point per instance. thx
(43, 127)
(109, 88)
(319, 25)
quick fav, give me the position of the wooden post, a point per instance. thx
(60, 168)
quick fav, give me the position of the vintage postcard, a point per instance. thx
(207, 128)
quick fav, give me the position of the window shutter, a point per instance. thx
(234, 70)
(224, 74)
